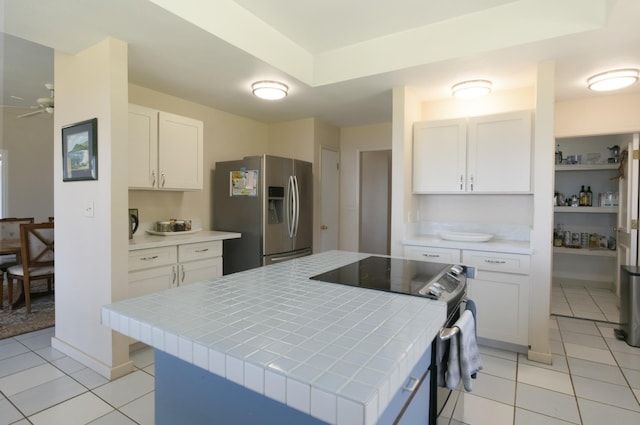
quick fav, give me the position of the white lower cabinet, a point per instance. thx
(500, 289)
(155, 269)
(199, 261)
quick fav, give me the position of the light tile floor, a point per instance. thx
(594, 379)
(585, 302)
(40, 385)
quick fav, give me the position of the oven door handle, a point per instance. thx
(448, 333)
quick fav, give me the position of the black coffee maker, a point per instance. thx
(134, 221)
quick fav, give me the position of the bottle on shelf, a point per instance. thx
(558, 154)
(582, 197)
(589, 197)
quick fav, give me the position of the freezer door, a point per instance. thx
(276, 212)
(240, 214)
(304, 232)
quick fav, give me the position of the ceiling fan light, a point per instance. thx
(613, 80)
(270, 90)
(471, 89)
(45, 102)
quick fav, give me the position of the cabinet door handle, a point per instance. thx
(183, 273)
(471, 178)
(175, 275)
(431, 255)
(461, 182)
(153, 257)
(202, 250)
(163, 178)
(412, 384)
(153, 178)
(495, 261)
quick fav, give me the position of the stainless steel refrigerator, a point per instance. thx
(269, 200)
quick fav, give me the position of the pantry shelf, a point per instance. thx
(588, 210)
(587, 167)
(602, 252)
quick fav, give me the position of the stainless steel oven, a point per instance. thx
(444, 282)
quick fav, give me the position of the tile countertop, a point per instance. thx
(274, 331)
(146, 240)
(494, 245)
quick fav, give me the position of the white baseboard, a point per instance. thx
(536, 356)
(109, 372)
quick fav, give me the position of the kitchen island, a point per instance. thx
(268, 345)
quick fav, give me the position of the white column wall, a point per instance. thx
(543, 181)
(91, 252)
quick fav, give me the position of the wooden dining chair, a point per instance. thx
(37, 259)
(9, 230)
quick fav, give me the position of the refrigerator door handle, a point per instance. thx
(297, 206)
(290, 207)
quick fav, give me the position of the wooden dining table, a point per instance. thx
(8, 247)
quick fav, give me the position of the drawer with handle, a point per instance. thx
(140, 259)
(497, 261)
(199, 251)
(436, 255)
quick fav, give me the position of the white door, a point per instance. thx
(627, 232)
(329, 192)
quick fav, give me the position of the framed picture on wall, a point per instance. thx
(80, 151)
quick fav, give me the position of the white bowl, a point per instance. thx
(466, 236)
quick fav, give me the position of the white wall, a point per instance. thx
(91, 252)
(326, 136)
(495, 103)
(602, 114)
(29, 148)
(407, 109)
(292, 139)
(543, 179)
(354, 140)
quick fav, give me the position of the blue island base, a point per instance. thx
(187, 394)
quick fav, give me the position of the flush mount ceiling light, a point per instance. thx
(270, 90)
(471, 89)
(613, 80)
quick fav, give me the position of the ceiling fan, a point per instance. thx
(45, 104)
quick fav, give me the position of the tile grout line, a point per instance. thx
(573, 387)
(87, 390)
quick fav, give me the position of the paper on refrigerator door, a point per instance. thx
(244, 183)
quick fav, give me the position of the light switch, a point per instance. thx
(88, 209)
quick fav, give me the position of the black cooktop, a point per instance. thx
(385, 274)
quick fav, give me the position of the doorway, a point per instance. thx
(375, 202)
(329, 199)
(597, 238)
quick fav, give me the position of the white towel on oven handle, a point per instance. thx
(464, 356)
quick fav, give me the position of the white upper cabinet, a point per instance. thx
(143, 147)
(165, 150)
(499, 157)
(487, 154)
(439, 156)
